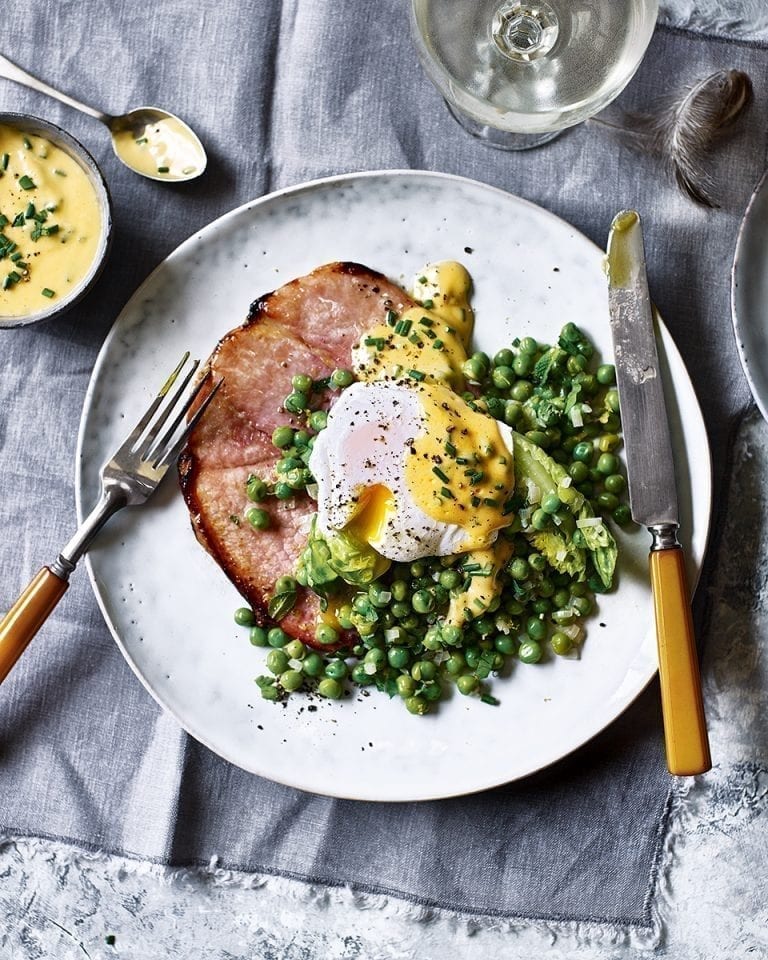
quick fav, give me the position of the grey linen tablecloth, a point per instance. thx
(282, 92)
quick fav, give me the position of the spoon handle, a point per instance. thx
(11, 72)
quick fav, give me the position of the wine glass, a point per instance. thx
(516, 74)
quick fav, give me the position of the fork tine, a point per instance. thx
(150, 441)
(133, 437)
(171, 454)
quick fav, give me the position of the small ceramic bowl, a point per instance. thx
(67, 143)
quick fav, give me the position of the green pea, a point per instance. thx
(612, 401)
(277, 661)
(342, 378)
(615, 483)
(472, 656)
(379, 596)
(424, 670)
(536, 628)
(418, 569)
(398, 657)
(467, 683)
(550, 503)
(301, 439)
(484, 625)
(561, 643)
(244, 617)
(503, 377)
(475, 369)
(259, 519)
(561, 598)
(401, 609)
(326, 634)
(538, 437)
(282, 437)
(318, 420)
(576, 364)
(336, 670)
(582, 452)
(578, 471)
(540, 520)
(607, 501)
(563, 615)
(451, 635)
(522, 390)
(256, 489)
(528, 345)
(503, 358)
(399, 589)
(296, 402)
(295, 650)
(607, 464)
(512, 411)
(537, 562)
(522, 364)
(330, 688)
(450, 579)
(589, 384)
(416, 705)
(432, 691)
(406, 685)
(376, 656)
(622, 515)
(606, 374)
(583, 605)
(277, 637)
(285, 584)
(291, 680)
(313, 665)
(302, 382)
(423, 601)
(258, 636)
(529, 651)
(505, 644)
(455, 664)
(344, 616)
(519, 569)
(283, 491)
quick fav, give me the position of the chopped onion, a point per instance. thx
(534, 492)
(369, 668)
(589, 522)
(312, 490)
(392, 634)
(294, 664)
(576, 418)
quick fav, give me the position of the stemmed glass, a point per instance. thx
(515, 73)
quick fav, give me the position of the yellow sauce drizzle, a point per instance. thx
(164, 150)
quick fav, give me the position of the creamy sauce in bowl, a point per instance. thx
(53, 224)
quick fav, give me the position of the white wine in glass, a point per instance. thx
(516, 74)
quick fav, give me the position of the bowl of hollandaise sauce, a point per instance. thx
(55, 220)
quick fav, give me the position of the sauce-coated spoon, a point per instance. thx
(149, 141)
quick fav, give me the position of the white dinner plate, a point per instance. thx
(169, 606)
(749, 294)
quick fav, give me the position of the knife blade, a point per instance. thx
(653, 493)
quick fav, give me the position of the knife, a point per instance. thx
(653, 494)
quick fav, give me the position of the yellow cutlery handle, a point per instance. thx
(685, 729)
(27, 615)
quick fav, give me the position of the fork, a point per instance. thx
(128, 478)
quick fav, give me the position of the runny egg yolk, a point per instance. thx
(375, 506)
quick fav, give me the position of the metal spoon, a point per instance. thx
(149, 141)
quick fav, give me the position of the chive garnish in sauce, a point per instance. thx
(26, 183)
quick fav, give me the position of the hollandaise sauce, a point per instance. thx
(165, 150)
(51, 223)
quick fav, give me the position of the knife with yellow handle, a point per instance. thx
(653, 493)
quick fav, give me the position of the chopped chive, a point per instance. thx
(4, 161)
(475, 501)
(20, 264)
(10, 247)
(426, 322)
(26, 143)
(403, 327)
(7, 282)
(447, 493)
(475, 476)
(431, 334)
(59, 173)
(487, 698)
(26, 183)
(508, 507)
(14, 277)
(490, 502)
(47, 292)
(37, 232)
(414, 339)
(428, 304)
(391, 318)
(450, 449)
(49, 231)
(422, 280)
(439, 473)
(416, 374)
(470, 567)
(377, 342)
(18, 220)
(16, 256)
(142, 140)
(462, 461)
(30, 211)
(4, 221)
(437, 345)
(163, 169)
